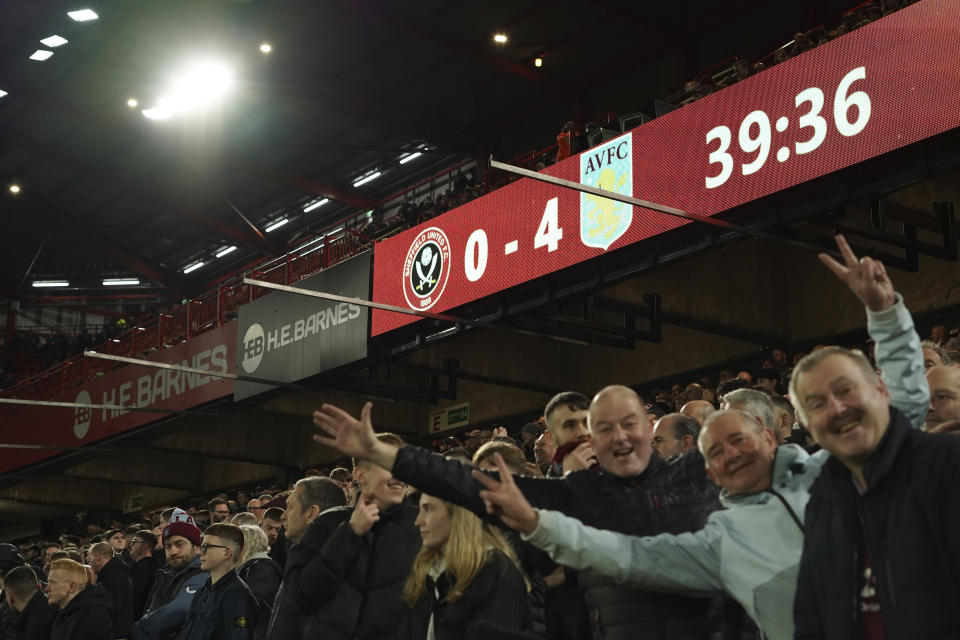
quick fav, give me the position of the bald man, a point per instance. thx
(633, 491)
(944, 396)
(699, 410)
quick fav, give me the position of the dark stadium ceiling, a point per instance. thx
(348, 88)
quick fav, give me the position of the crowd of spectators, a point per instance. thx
(602, 517)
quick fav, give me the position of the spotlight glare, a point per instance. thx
(40, 55)
(2, 93)
(14, 188)
(83, 15)
(54, 41)
(538, 62)
(265, 48)
(132, 103)
(500, 38)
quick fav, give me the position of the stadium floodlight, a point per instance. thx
(266, 48)
(40, 284)
(133, 103)
(14, 188)
(193, 267)
(197, 85)
(41, 54)
(53, 41)
(121, 282)
(2, 93)
(500, 38)
(225, 251)
(83, 15)
(315, 205)
(370, 178)
(276, 225)
(412, 156)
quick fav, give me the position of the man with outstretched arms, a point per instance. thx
(752, 549)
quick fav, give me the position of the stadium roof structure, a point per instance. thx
(348, 88)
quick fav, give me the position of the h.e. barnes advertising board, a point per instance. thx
(129, 386)
(288, 337)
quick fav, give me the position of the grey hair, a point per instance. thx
(754, 403)
(745, 417)
(811, 360)
(244, 517)
(320, 491)
(940, 351)
(254, 541)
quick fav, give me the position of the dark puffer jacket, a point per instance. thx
(668, 497)
(497, 595)
(115, 577)
(87, 617)
(349, 586)
(910, 521)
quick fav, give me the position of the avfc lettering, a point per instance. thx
(598, 160)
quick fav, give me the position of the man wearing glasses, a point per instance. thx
(225, 608)
(219, 511)
(174, 590)
(143, 570)
(255, 507)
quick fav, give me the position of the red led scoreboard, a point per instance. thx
(888, 84)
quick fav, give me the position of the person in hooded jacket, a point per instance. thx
(169, 601)
(24, 595)
(114, 575)
(85, 610)
(348, 570)
(464, 573)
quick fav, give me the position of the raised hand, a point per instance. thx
(500, 432)
(364, 515)
(867, 278)
(504, 499)
(351, 436)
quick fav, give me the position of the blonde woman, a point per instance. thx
(261, 572)
(465, 573)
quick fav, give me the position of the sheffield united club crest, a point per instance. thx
(426, 269)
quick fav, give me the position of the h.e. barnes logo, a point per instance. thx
(608, 167)
(426, 268)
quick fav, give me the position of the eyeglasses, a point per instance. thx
(206, 547)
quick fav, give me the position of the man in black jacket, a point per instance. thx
(311, 497)
(84, 611)
(225, 608)
(880, 555)
(634, 491)
(24, 596)
(114, 575)
(144, 568)
(349, 568)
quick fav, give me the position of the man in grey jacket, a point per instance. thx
(752, 549)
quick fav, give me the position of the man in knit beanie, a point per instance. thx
(169, 600)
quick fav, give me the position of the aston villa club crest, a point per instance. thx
(608, 167)
(426, 269)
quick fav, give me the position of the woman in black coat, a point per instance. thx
(465, 573)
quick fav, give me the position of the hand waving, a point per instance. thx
(505, 499)
(351, 436)
(867, 278)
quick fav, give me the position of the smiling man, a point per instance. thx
(633, 491)
(885, 505)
